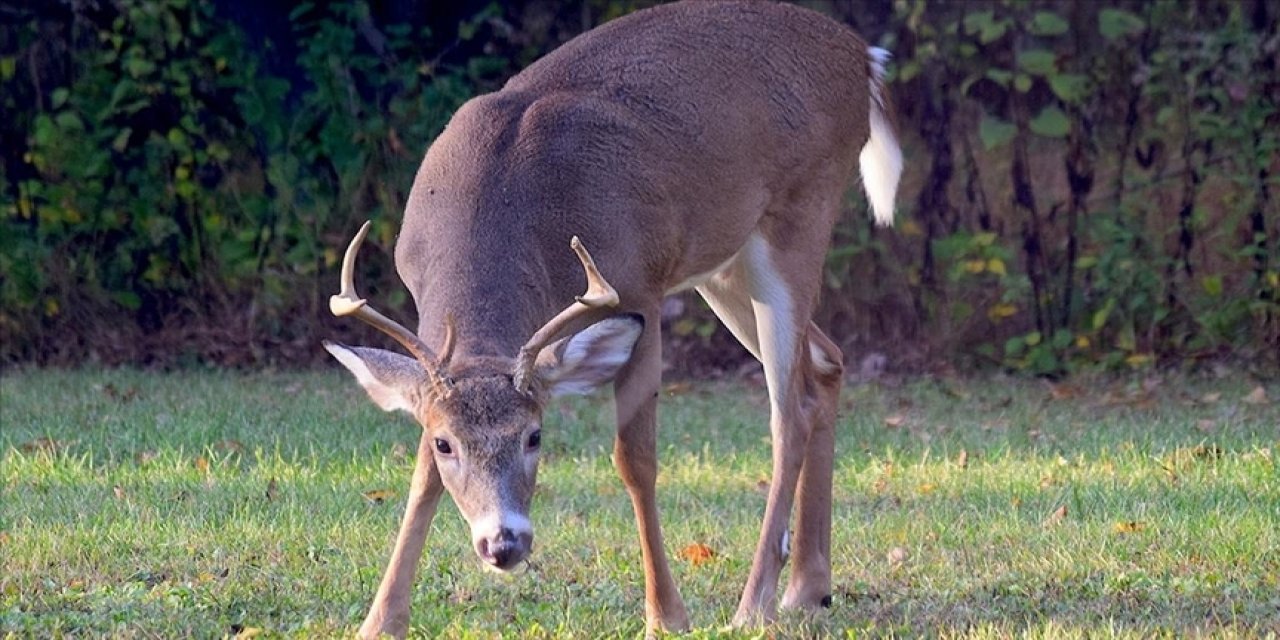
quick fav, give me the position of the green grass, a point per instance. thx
(146, 513)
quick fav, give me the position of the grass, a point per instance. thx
(207, 504)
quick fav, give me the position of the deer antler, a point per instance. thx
(599, 295)
(349, 303)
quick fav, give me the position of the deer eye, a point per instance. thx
(443, 447)
(535, 439)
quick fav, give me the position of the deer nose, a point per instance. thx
(505, 549)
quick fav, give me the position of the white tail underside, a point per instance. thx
(881, 158)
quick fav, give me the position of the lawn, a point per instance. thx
(206, 504)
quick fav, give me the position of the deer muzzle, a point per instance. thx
(503, 541)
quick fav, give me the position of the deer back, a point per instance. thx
(660, 138)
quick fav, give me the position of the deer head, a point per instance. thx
(484, 414)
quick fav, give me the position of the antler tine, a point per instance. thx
(450, 339)
(599, 295)
(348, 303)
(599, 292)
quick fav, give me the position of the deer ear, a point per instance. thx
(582, 362)
(393, 381)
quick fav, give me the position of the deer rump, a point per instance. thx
(701, 145)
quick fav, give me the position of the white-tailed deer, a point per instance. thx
(700, 145)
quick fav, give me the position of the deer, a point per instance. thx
(702, 145)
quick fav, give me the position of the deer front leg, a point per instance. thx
(635, 456)
(389, 613)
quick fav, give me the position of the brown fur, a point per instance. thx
(666, 140)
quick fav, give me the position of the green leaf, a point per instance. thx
(908, 70)
(1000, 76)
(977, 21)
(1022, 82)
(138, 67)
(1040, 62)
(1052, 122)
(1047, 23)
(995, 132)
(1014, 346)
(1061, 339)
(1069, 87)
(121, 141)
(8, 67)
(1100, 316)
(1164, 114)
(985, 25)
(127, 299)
(1115, 23)
(68, 120)
(1212, 285)
(60, 96)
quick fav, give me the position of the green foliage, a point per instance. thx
(1145, 267)
(1102, 191)
(172, 177)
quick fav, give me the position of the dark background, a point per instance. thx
(1089, 185)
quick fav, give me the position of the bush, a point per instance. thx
(1087, 186)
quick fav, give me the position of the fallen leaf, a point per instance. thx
(1258, 396)
(248, 632)
(143, 457)
(927, 488)
(697, 554)
(4, 537)
(1062, 391)
(1211, 397)
(897, 555)
(119, 491)
(1129, 526)
(678, 388)
(378, 496)
(894, 421)
(1015, 502)
(762, 486)
(962, 460)
(202, 464)
(1057, 516)
(1047, 481)
(272, 491)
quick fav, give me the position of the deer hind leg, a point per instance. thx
(810, 583)
(768, 311)
(635, 455)
(389, 613)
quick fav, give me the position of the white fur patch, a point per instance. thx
(493, 524)
(821, 363)
(881, 158)
(786, 545)
(775, 326)
(383, 395)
